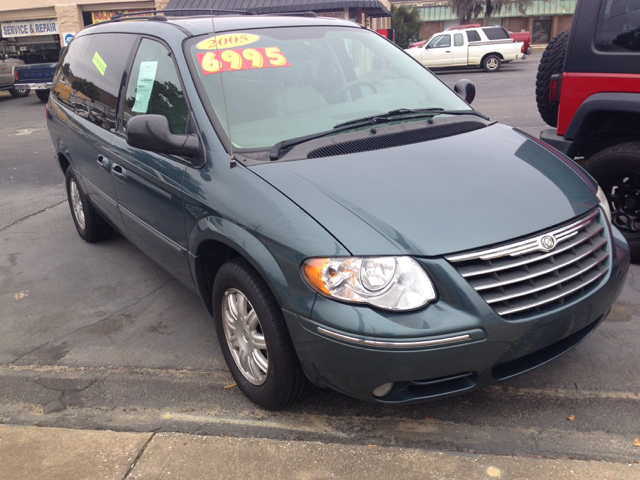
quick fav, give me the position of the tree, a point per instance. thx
(406, 24)
(468, 9)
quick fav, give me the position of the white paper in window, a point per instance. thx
(146, 77)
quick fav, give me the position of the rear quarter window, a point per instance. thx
(90, 74)
(618, 27)
(496, 33)
(473, 36)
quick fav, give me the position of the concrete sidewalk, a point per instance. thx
(54, 453)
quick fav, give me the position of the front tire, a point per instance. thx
(491, 63)
(43, 95)
(254, 338)
(18, 92)
(617, 171)
(90, 225)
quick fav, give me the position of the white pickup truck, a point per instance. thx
(485, 46)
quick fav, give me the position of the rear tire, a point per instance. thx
(43, 95)
(551, 63)
(250, 325)
(491, 63)
(90, 225)
(19, 92)
(617, 171)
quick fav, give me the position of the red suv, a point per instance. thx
(588, 86)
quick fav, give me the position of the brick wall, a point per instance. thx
(564, 22)
(429, 28)
(517, 24)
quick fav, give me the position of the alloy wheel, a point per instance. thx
(245, 336)
(623, 193)
(76, 204)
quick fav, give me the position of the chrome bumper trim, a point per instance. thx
(381, 343)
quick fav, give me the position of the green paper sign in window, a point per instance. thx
(99, 63)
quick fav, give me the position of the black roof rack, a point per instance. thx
(159, 15)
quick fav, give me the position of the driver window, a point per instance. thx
(441, 41)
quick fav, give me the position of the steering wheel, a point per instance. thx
(350, 85)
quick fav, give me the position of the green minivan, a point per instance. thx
(347, 219)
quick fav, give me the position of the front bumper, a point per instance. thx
(550, 136)
(471, 346)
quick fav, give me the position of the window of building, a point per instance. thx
(541, 30)
(618, 27)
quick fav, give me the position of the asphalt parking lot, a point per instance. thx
(98, 336)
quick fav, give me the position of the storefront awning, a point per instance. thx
(373, 8)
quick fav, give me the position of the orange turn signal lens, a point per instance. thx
(312, 271)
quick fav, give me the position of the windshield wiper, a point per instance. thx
(274, 154)
(413, 112)
(390, 116)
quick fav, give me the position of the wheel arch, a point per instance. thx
(216, 240)
(605, 114)
(63, 162)
(497, 54)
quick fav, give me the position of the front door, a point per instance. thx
(438, 52)
(149, 185)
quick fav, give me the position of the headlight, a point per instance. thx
(604, 203)
(391, 283)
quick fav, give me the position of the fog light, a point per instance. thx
(382, 390)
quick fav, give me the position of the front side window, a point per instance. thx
(269, 85)
(618, 28)
(90, 74)
(154, 87)
(440, 41)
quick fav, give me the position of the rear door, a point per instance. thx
(91, 74)
(149, 185)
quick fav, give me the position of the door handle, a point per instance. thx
(104, 163)
(447, 51)
(119, 172)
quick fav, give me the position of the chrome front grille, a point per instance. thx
(541, 272)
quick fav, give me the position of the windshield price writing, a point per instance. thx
(244, 59)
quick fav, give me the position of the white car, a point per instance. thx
(486, 46)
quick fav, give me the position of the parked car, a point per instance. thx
(486, 46)
(588, 87)
(7, 76)
(36, 77)
(346, 218)
(525, 38)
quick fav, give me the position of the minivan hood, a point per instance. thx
(437, 197)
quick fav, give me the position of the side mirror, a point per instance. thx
(152, 133)
(465, 89)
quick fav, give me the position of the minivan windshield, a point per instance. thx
(282, 83)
